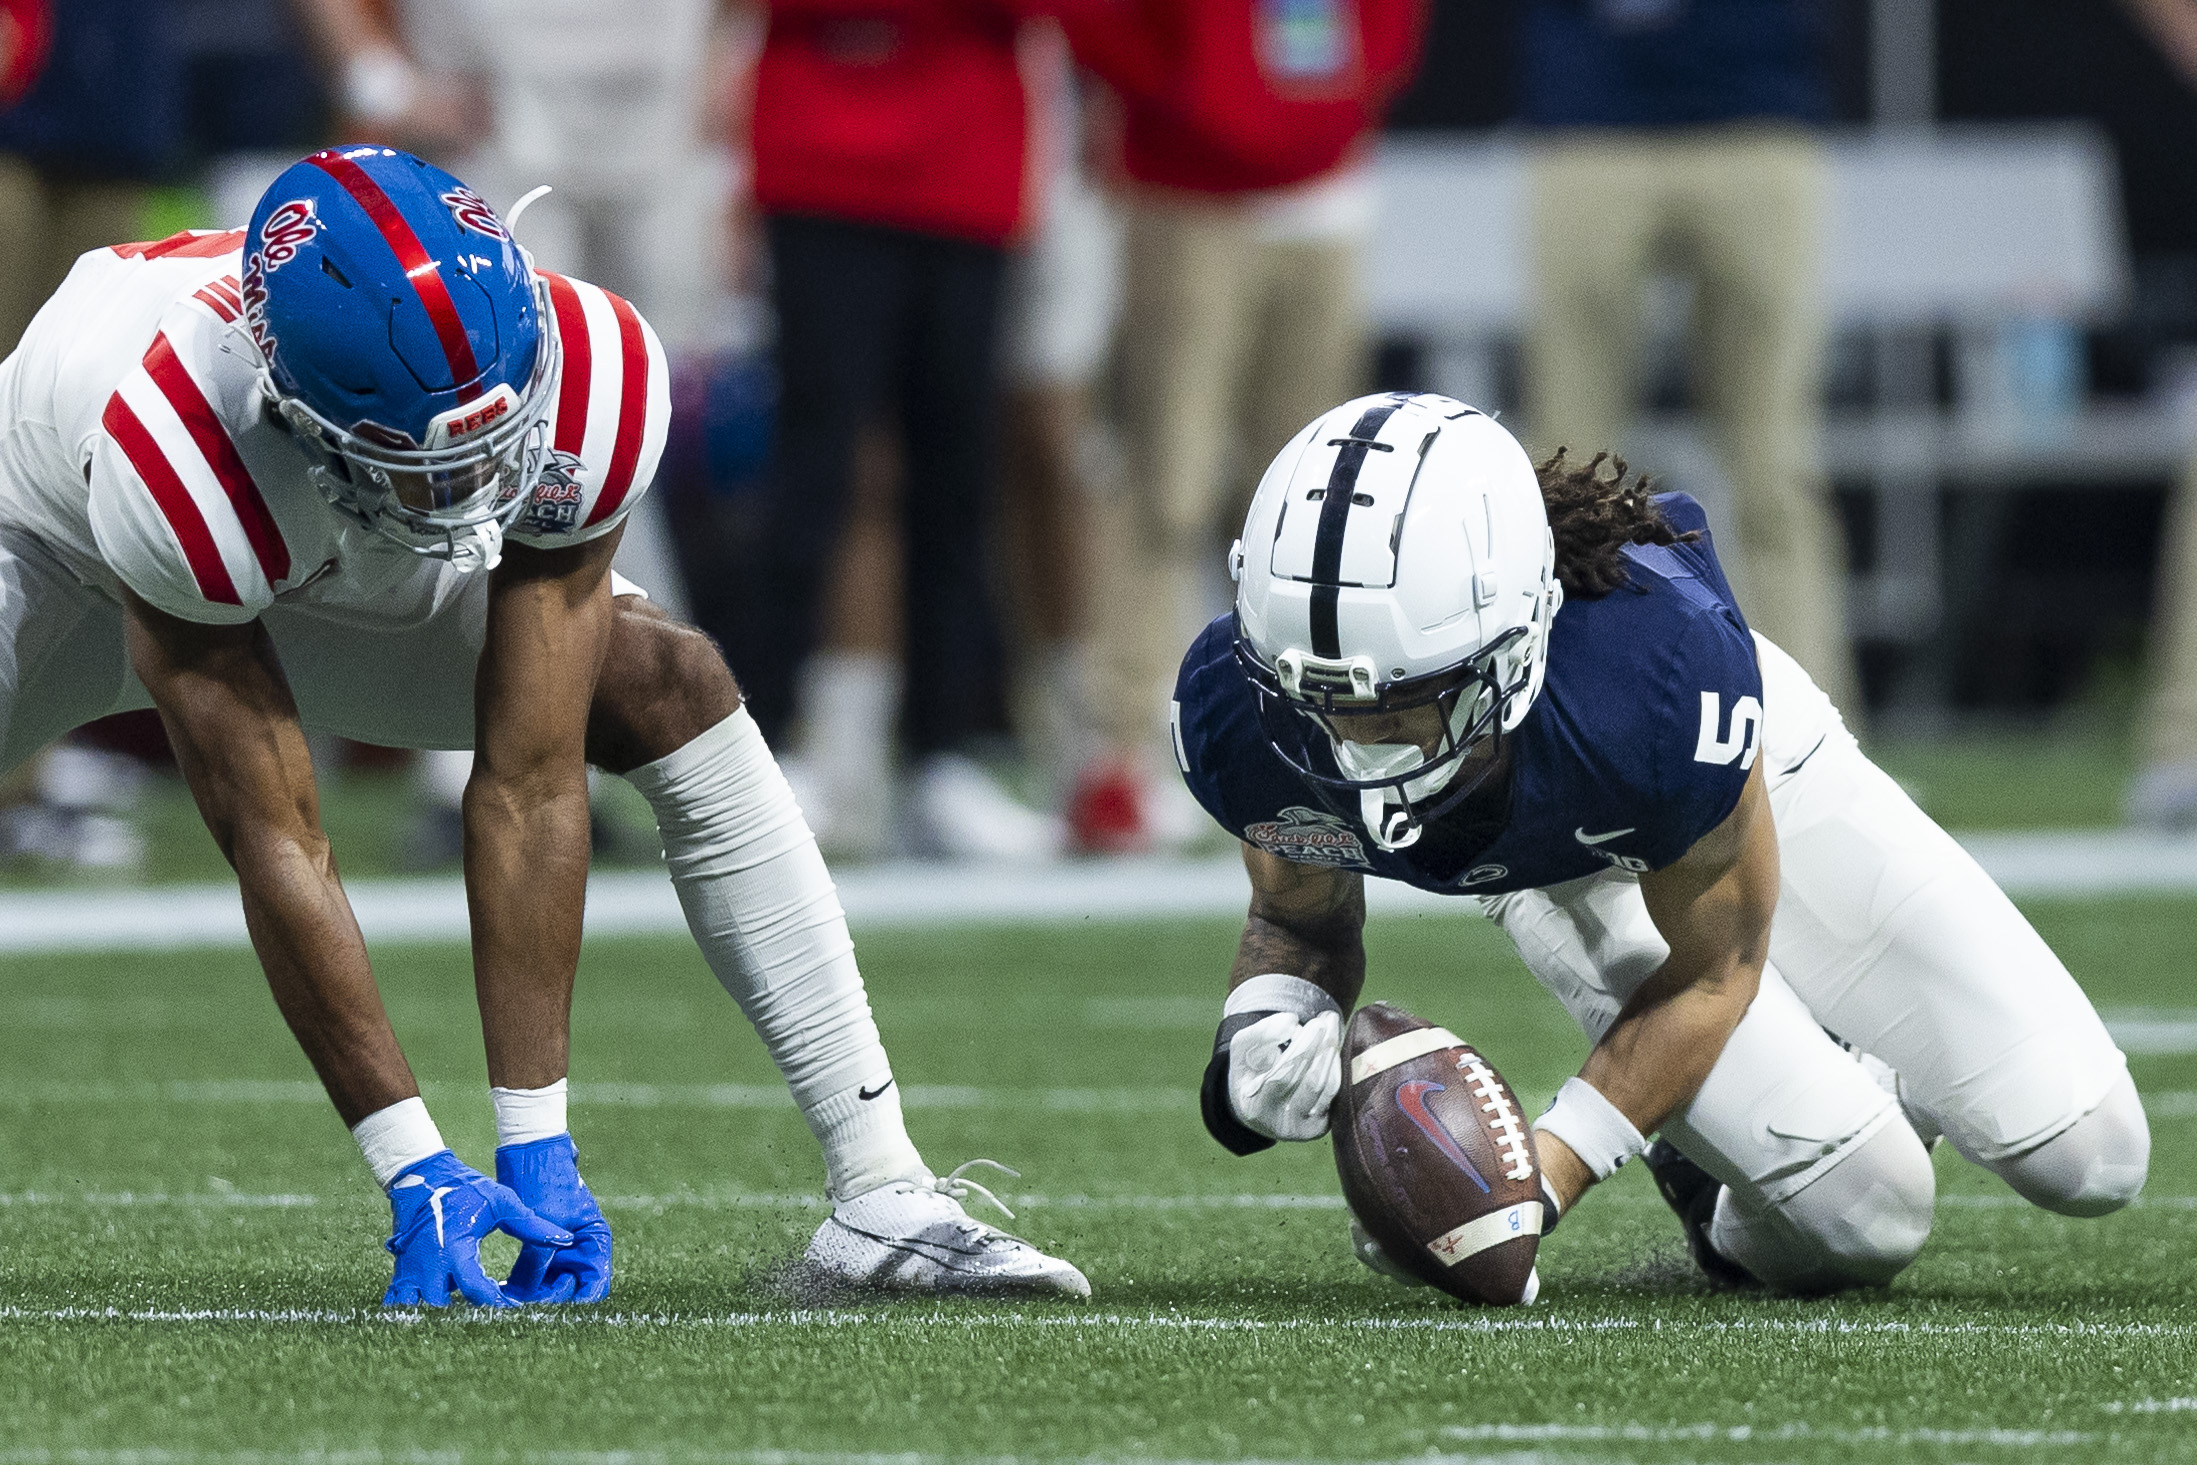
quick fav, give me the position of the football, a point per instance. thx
(1437, 1162)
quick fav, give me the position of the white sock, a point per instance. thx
(848, 701)
(394, 1138)
(764, 911)
(442, 776)
(526, 1115)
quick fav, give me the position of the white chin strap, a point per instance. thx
(1382, 813)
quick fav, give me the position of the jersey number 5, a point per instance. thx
(1739, 742)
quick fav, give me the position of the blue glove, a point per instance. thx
(545, 1174)
(440, 1209)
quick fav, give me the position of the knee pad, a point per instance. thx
(1857, 1224)
(2094, 1166)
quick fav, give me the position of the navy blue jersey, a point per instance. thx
(1639, 744)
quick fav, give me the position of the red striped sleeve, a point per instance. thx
(174, 499)
(578, 367)
(190, 404)
(185, 245)
(217, 301)
(632, 410)
(412, 256)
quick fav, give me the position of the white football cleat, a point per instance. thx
(957, 810)
(906, 1237)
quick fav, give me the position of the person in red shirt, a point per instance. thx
(1244, 128)
(889, 143)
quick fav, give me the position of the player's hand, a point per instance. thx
(545, 1174)
(441, 1208)
(1283, 1074)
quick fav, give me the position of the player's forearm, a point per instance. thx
(308, 943)
(1332, 959)
(526, 849)
(1658, 1053)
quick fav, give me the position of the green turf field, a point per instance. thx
(189, 1258)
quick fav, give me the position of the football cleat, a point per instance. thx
(1692, 1191)
(909, 1237)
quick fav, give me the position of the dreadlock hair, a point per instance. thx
(1593, 515)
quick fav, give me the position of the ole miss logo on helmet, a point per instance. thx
(289, 226)
(471, 212)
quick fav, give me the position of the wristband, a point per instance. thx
(1260, 997)
(397, 1138)
(1280, 992)
(526, 1115)
(1582, 1118)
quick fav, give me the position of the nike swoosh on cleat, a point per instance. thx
(873, 1093)
(1591, 840)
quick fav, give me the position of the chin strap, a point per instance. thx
(1391, 825)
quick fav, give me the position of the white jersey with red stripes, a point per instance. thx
(135, 442)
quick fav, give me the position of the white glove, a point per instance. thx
(1283, 1074)
(1369, 1252)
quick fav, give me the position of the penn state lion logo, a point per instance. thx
(1310, 837)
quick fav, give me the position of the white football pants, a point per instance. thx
(1890, 936)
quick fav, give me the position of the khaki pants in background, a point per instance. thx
(44, 226)
(1227, 345)
(1740, 210)
(2167, 736)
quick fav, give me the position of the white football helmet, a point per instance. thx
(1397, 557)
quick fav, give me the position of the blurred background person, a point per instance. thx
(891, 165)
(2163, 793)
(607, 104)
(1680, 135)
(1064, 293)
(77, 172)
(1241, 166)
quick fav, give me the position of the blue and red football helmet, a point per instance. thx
(408, 347)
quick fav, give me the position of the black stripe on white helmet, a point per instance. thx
(1395, 583)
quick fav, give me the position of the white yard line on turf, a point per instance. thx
(258, 1093)
(644, 1455)
(916, 895)
(770, 1200)
(261, 1092)
(908, 1316)
(1672, 1434)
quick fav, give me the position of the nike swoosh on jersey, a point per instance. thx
(873, 1093)
(1590, 840)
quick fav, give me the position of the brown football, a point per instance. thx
(1437, 1161)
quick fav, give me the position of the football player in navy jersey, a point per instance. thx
(1534, 689)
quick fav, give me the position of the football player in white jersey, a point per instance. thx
(359, 467)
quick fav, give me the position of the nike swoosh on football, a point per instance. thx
(1585, 838)
(873, 1093)
(1411, 1098)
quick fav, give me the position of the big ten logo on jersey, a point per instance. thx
(472, 212)
(1303, 41)
(1725, 742)
(1310, 837)
(555, 506)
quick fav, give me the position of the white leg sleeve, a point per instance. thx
(763, 909)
